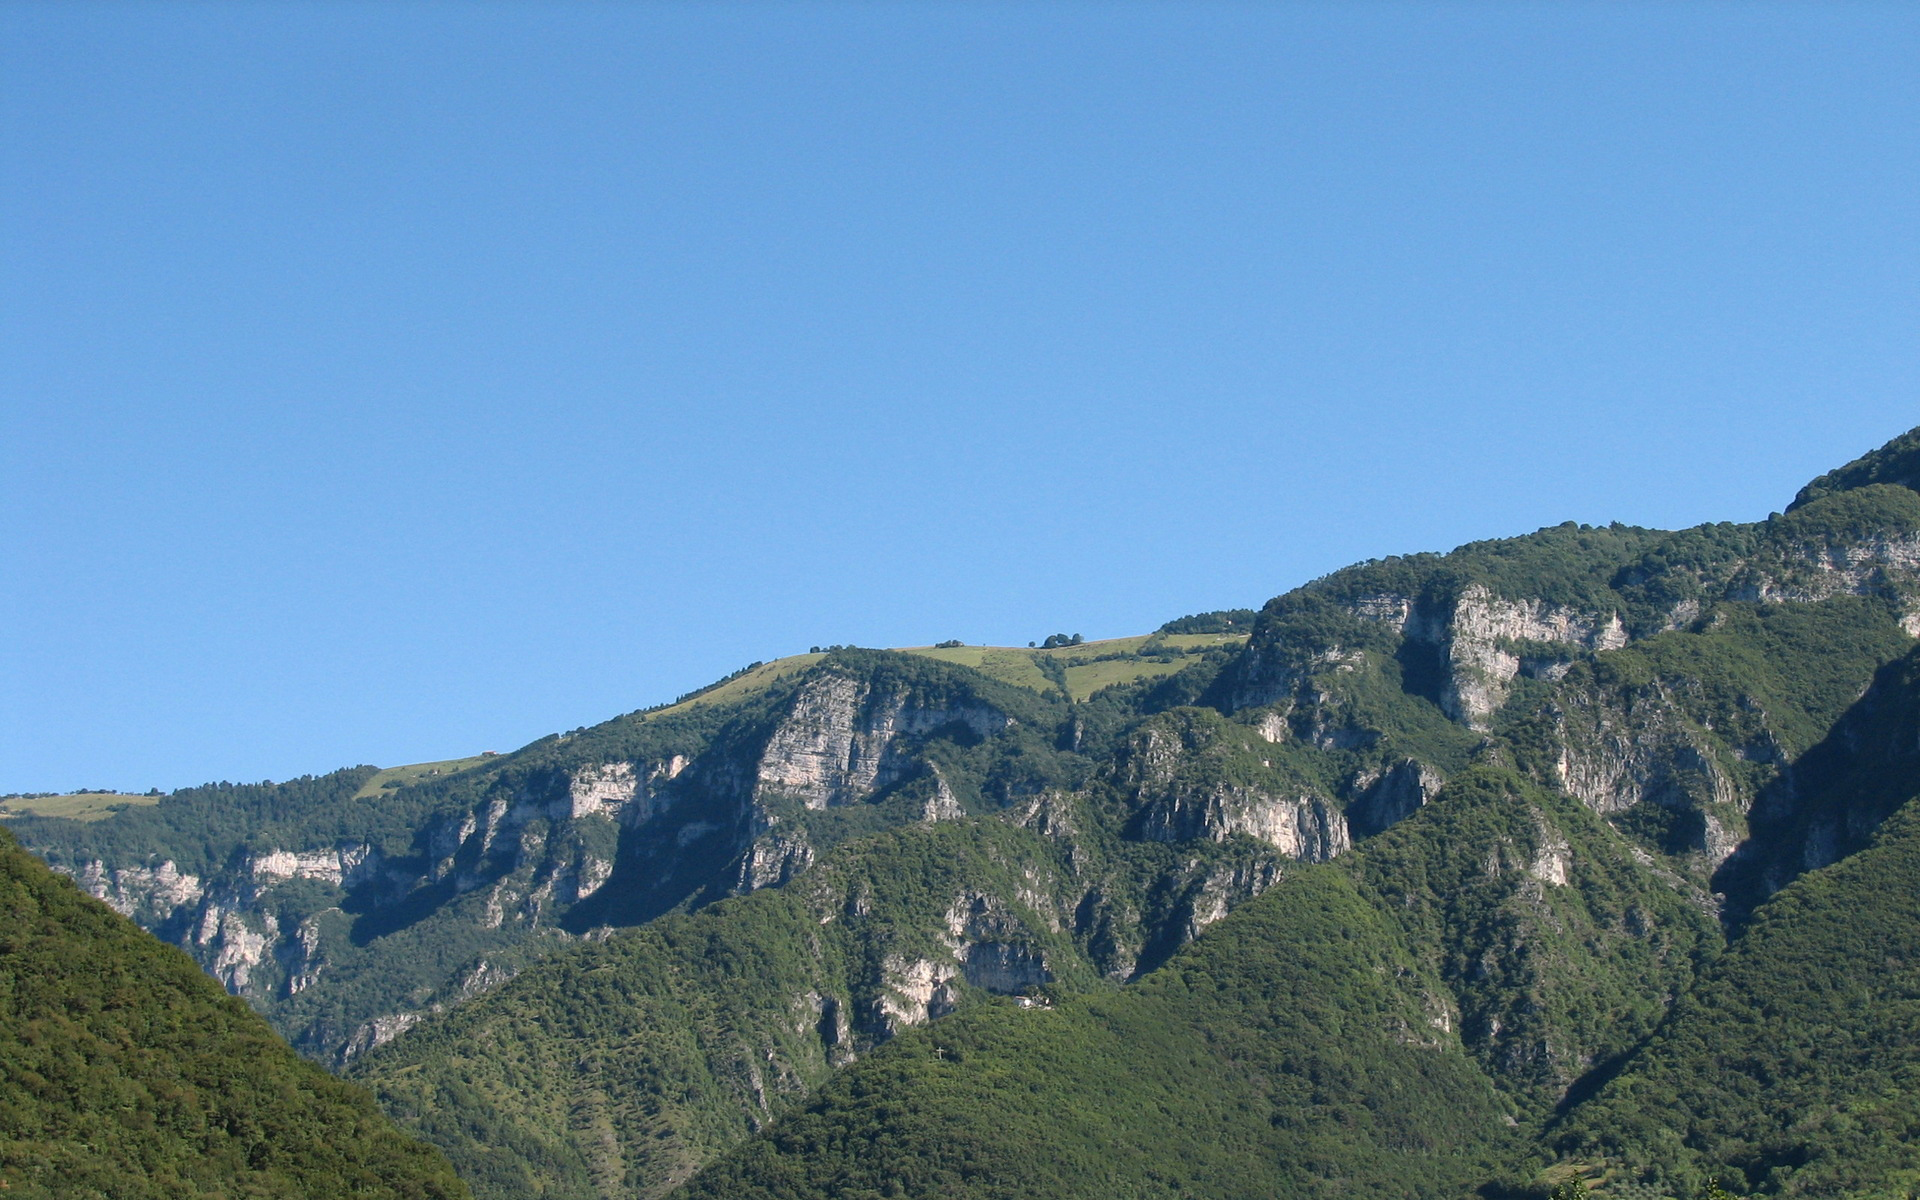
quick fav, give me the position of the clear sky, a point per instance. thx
(385, 382)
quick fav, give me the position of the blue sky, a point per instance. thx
(385, 382)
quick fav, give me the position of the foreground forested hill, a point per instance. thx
(129, 1073)
(1572, 856)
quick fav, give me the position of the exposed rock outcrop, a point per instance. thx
(1614, 756)
(916, 991)
(342, 866)
(775, 858)
(836, 744)
(1481, 639)
(1306, 827)
(151, 894)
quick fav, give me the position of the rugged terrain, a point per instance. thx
(1473, 870)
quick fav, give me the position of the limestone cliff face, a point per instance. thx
(841, 740)
(149, 894)
(1305, 827)
(1617, 752)
(1172, 771)
(629, 792)
(341, 866)
(1813, 569)
(774, 858)
(571, 841)
(229, 931)
(838, 743)
(987, 940)
(1481, 639)
(531, 855)
(1220, 889)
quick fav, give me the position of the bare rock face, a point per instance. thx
(836, 744)
(1049, 814)
(917, 991)
(1613, 758)
(1273, 727)
(841, 742)
(151, 894)
(1479, 640)
(238, 942)
(1817, 569)
(341, 866)
(627, 791)
(942, 805)
(774, 859)
(1181, 799)
(1305, 827)
(1552, 861)
(1004, 968)
(1224, 888)
(302, 956)
(533, 853)
(376, 1033)
(987, 943)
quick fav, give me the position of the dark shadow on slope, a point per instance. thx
(376, 917)
(1827, 803)
(656, 870)
(1423, 669)
(1599, 1076)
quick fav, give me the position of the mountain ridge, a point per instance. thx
(1612, 747)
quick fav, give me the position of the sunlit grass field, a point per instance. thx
(79, 806)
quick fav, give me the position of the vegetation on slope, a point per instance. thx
(73, 806)
(662, 1033)
(1559, 950)
(1290, 1051)
(1372, 1027)
(1792, 1067)
(1078, 670)
(1528, 931)
(620, 1067)
(1897, 462)
(130, 1074)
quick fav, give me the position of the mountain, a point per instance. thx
(1453, 872)
(129, 1073)
(346, 905)
(1317, 1042)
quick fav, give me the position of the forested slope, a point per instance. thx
(129, 1073)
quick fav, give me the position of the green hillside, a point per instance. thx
(1291, 1052)
(1324, 1040)
(1557, 856)
(624, 1065)
(130, 1074)
(1792, 1067)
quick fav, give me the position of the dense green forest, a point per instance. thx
(130, 1074)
